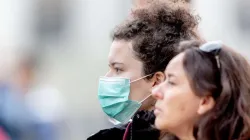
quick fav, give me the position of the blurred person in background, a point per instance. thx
(141, 49)
(142, 3)
(205, 95)
(17, 119)
(7, 65)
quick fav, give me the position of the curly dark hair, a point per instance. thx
(155, 32)
(228, 84)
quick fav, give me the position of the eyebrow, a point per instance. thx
(169, 75)
(115, 63)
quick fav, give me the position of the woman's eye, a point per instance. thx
(117, 70)
(170, 82)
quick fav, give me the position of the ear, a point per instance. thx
(158, 78)
(206, 104)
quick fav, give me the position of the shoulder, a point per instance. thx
(143, 126)
(108, 134)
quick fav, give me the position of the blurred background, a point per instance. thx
(53, 52)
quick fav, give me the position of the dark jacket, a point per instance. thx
(141, 128)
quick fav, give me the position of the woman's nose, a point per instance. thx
(157, 92)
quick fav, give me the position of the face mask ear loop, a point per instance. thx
(145, 98)
(141, 78)
(106, 74)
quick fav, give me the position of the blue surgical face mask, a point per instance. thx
(113, 94)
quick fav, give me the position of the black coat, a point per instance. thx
(141, 128)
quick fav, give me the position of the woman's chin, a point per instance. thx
(158, 123)
(161, 124)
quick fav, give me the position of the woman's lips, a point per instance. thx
(157, 111)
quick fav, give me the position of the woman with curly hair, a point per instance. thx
(141, 49)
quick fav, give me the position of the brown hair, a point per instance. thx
(155, 32)
(228, 84)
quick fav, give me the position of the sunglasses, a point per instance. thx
(213, 47)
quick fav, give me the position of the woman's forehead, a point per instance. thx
(175, 66)
(121, 52)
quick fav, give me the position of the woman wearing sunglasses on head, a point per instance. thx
(206, 94)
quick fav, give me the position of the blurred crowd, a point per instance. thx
(27, 111)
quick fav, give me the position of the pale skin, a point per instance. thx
(178, 107)
(123, 63)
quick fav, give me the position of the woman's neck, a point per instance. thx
(187, 138)
(185, 133)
